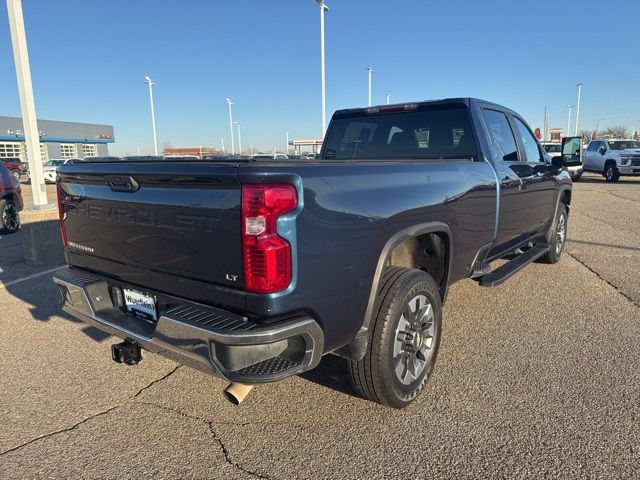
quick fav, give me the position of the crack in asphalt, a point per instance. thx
(62, 430)
(227, 456)
(161, 379)
(616, 288)
(90, 417)
(216, 437)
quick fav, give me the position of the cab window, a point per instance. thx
(502, 137)
(531, 149)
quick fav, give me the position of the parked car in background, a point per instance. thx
(253, 270)
(49, 168)
(553, 149)
(269, 156)
(13, 165)
(10, 201)
(613, 158)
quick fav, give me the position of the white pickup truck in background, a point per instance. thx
(612, 158)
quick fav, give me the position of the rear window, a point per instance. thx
(433, 133)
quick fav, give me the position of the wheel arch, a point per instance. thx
(356, 349)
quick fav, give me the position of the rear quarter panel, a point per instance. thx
(351, 210)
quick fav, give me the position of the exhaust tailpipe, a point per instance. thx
(236, 392)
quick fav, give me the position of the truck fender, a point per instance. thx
(357, 348)
(550, 232)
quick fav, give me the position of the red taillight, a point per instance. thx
(266, 255)
(61, 212)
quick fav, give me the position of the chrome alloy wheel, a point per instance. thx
(10, 217)
(561, 232)
(414, 339)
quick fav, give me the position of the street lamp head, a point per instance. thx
(369, 69)
(579, 84)
(570, 106)
(148, 81)
(323, 5)
(228, 100)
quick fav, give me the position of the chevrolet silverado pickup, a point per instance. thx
(253, 270)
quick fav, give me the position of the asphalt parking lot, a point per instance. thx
(538, 377)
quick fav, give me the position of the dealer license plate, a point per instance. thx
(140, 304)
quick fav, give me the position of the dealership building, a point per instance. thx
(57, 139)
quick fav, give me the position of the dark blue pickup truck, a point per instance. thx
(253, 270)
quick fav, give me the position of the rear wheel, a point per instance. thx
(404, 340)
(611, 173)
(559, 236)
(9, 217)
(577, 178)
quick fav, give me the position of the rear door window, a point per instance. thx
(420, 133)
(504, 143)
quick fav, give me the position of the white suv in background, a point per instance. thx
(554, 149)
(612, 158)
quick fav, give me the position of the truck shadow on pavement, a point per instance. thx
(331, 372)
(37, 293)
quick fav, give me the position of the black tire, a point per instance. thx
(374, 376)
(611, 173)
(558, 238)
(9, 217)
(577, 179)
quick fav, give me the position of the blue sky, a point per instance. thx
(89, 59)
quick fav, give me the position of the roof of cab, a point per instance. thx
(467, 101)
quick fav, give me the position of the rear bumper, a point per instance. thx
(209, 339)
(575, 171)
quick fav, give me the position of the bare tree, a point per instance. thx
(588, 134)
(615, 132)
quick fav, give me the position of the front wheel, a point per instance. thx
(611, 173)
(404, 340)
(559, 236)
(9, 217)
(577, 178)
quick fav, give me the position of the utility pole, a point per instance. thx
(239, 138)
(323, 9)
(568, 120)
(149, 82)
(286, 147)
(229, 102)
(579, 85)
(370, 70)
(27, 102)
(223, 150)
(388, 98)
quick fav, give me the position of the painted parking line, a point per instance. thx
(30, 277)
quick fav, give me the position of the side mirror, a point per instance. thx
(571, 151)
(602, 149)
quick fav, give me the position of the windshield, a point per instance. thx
(623, 144)
(553, 148)
(433, 133)
(53, 163)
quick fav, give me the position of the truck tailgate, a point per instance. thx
(179, 220)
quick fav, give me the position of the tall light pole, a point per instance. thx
(150, 83)
(579, 85)
(286, 146)
(233, 148)
(239, 138)
(388, 98)
(323, 8)
(224, 152)
(27, 102)
(569, 120)
(370, 70)
(597, 125)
